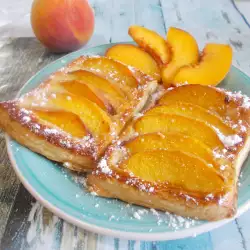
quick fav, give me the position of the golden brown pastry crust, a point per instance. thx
(109, 180)
(80, 154)
(181, 202)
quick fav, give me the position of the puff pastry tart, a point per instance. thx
(183, 154)
(73, 115)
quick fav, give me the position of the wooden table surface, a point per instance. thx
(24, 223)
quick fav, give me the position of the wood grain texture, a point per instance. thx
(20, 58)
(26, 226)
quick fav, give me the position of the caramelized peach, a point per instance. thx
(175, 123)
(133, 56)
(111, 92)
(214, 65)
(152, 43)
(82, 90)
(194, 112)
(206, 97)
(94, 118)
(175, 169)
(62, 26)
(170, 141)
(67, 121)
(184, 50)
(113, 71)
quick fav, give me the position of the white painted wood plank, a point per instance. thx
(68, 238)
(81, 239)
(91, 240)
(105, 243)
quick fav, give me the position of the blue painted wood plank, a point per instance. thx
(102, 11)
(123, 15)
(226, 237)
(243, 225)
(201, 242)
(149, 14)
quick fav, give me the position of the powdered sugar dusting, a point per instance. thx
(230, 140)
(137, 215)
(239, 96)
(104, 166)
(172, 221)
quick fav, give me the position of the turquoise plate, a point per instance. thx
(64, 193)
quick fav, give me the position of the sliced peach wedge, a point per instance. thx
(209, 98)
(66, 121)
(170, 141)
(194, 112)
(215, 63)
(152, 43)
(113, 71)
(133, 56)
(98, 84)
(82, 90)
(97, 121)
(96, 81)
(175, 123)
(184, 51)
(175, 169)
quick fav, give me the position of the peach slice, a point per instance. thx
(92, 79)
(152, 43)
(114, 72)
(175, 169)
(214, 65)
(67, 121)
(184, 50)
(82, 90)
(111, 70)
(170, 141)
(111, 92)
(133, 56)
(95, 119)
(194, 112)
(203, 96)
(175, 123)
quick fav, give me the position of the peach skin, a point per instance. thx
(61, 25)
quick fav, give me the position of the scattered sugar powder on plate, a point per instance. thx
(172, 221)
(111, 217)
(136, 215)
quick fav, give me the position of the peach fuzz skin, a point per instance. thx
(62, 25)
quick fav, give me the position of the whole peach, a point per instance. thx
(62, 25)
